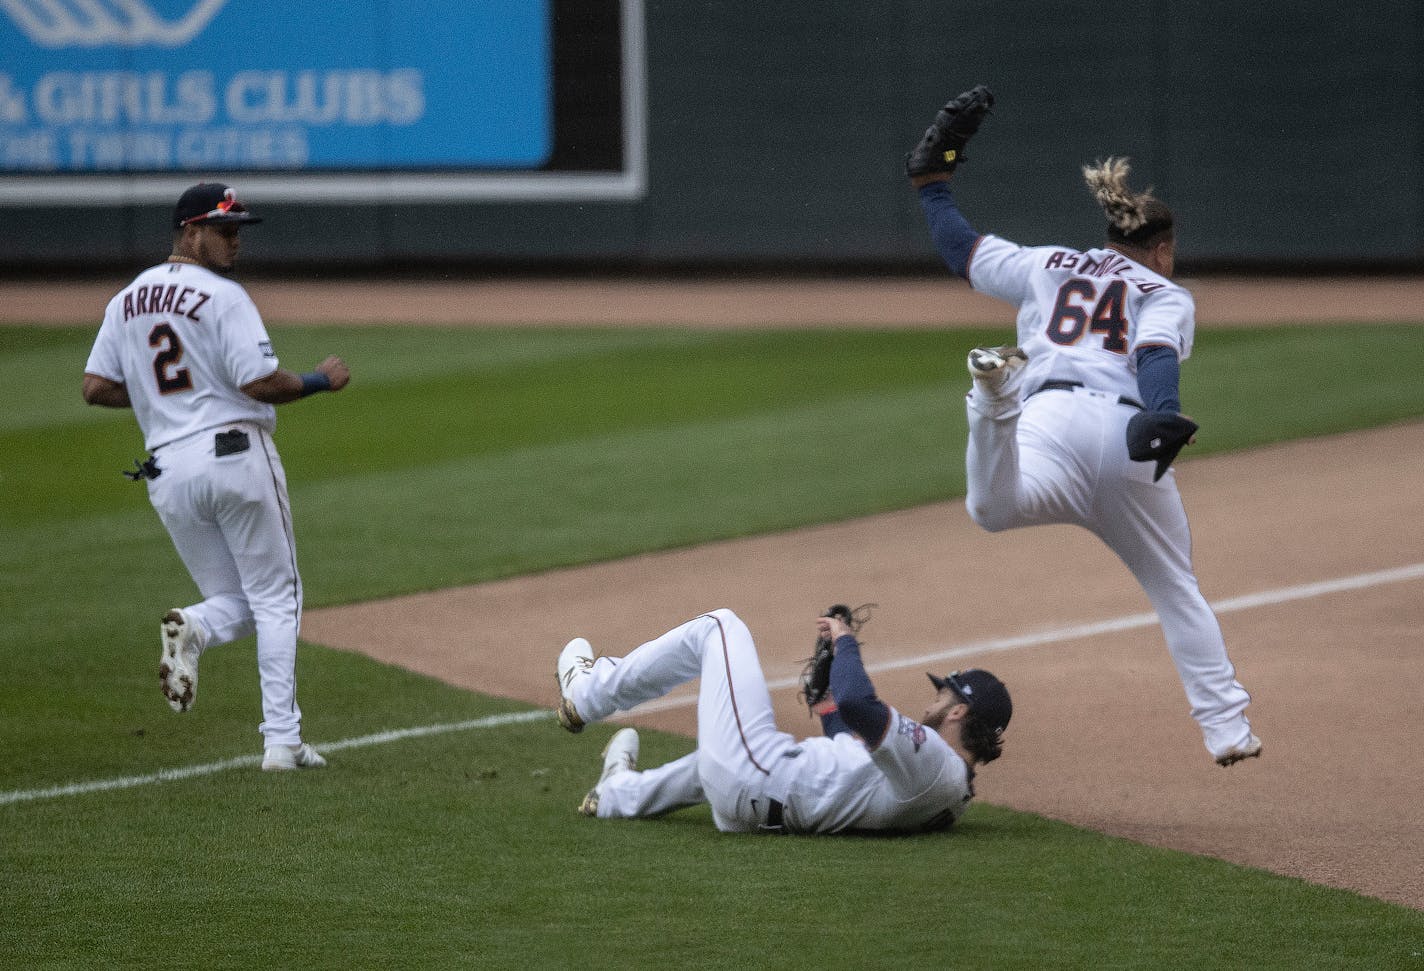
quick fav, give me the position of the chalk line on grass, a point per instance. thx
(247, 761)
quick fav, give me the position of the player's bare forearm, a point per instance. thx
(105, 393)
(923, 180)
(282, 385)
(277, 388)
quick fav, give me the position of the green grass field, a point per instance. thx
(461, 456)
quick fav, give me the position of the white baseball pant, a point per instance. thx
(739, 747)
(1061, 457)
(231, 523)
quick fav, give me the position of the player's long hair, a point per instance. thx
(1137, 219)
(980, 739)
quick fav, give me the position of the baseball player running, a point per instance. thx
(185, 348)
(1081, 421)
(875, 769)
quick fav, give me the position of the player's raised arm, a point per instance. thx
(931, 162)
(856, 703)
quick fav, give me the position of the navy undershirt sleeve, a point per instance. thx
(865, 714)
(1158, 377)
(832, 724)
(951, 232)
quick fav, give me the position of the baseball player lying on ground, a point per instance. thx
(875, 768)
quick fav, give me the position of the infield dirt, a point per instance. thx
(1101, 737)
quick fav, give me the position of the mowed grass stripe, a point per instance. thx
(396, 416)
(43, 365)
(533, 508)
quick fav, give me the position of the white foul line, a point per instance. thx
(245, 761)
(1054, 635)
(1266, 598)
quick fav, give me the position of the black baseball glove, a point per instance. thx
(942, 148)
(816, 675)
(1158, 435)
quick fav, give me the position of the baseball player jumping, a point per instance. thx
(185, 348)
(1081, 421)
(875, 769)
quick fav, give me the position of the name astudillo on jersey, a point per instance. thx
(1085, 265)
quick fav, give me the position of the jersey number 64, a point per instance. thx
(1072, 316)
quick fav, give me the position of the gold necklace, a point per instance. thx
(175, 258)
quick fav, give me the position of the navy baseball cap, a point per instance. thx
(210, 202)
(985, 695)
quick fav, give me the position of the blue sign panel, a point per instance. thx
(122, 86)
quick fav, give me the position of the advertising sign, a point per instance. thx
(439, 99)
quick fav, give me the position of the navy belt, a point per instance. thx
(1122, 399)
(775, 817)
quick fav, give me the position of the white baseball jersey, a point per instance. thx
(183, 341)
(913, 781)
(1083, 315)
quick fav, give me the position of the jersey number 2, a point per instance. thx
(170, 376)
(1108, 317)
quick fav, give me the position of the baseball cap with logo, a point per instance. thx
(210, 202)
(985, 694)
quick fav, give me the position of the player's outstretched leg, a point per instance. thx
(623, 792)
(592, 687)
(992, 460)
(619, 755)
(1146, 526)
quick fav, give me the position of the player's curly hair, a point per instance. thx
(1134, 218)
(980, 739)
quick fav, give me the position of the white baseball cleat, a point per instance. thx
(178, 666)
(991, 366)
(619, 755)
(1250, 750)
(575, 659)
(285, 758)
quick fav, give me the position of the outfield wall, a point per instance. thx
(650, 133)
